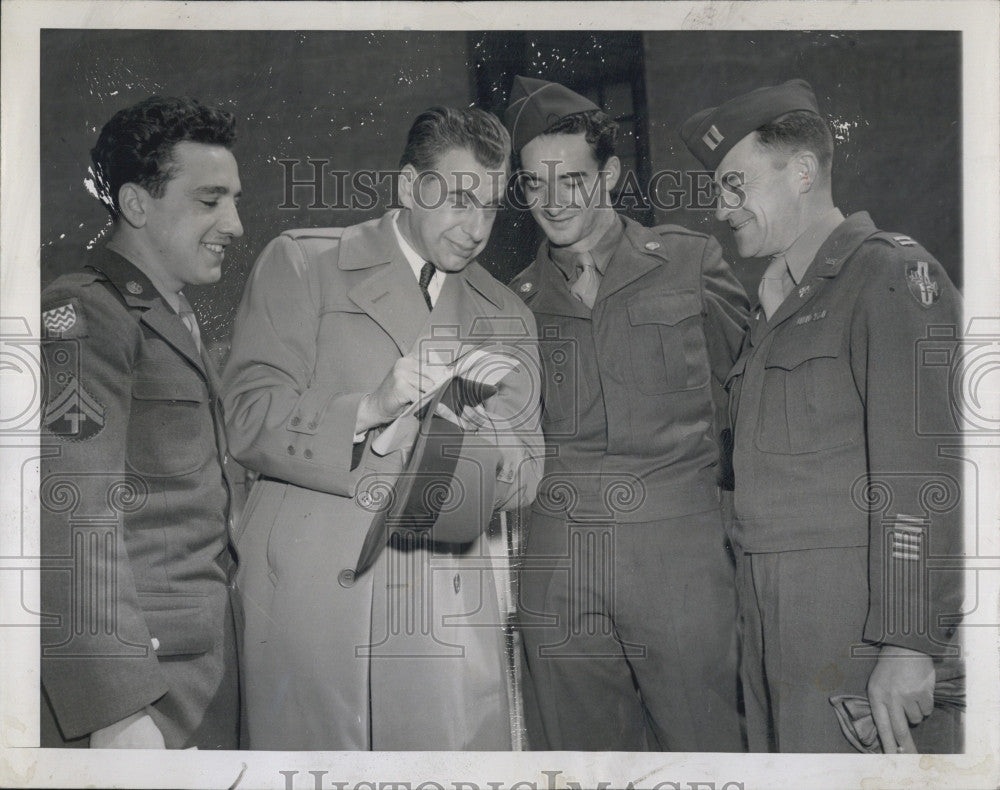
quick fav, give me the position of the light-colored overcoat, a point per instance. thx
(411, 654)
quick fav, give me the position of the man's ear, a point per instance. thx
(805, 166)
(132, 203)
(404, 189)
(613, 168)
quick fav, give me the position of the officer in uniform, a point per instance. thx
(138, 641)
(628, 600)
(835, 520)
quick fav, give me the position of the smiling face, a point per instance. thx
(451, 208)
(566, 189)
(185, 231)
(759, 199)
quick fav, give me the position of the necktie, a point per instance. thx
(426, 275)
(775, 285)
(187, 316)
(588, 281)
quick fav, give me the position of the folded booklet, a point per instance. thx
(446, 491)
(479, 370)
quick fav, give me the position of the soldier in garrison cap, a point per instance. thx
(136, 432)
(328, 350)
(638, 328)
(836, 599)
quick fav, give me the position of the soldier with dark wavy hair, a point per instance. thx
(140, 651)
(138, 144)
(627, 589)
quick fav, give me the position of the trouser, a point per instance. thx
(801, 613)
(629, 633)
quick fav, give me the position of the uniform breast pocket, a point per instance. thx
(809, 402)
(170, 428)
(565, 387)
(667, 342)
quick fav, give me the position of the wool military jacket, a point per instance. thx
(633, 388)
(843, 418)
(134, 507)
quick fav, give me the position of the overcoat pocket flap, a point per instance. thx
(179, 625)
(664, 308)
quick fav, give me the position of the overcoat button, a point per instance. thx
(346, 578)
(365, 499)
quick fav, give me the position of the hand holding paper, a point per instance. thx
(476, 375)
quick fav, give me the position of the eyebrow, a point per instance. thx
(209, 190)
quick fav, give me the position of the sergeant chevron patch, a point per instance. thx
(74, 413)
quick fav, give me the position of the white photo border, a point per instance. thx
(22, 764)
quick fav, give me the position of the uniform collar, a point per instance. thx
(602, 250)
(134, 285)
(841, 244)
(169, 296)
(800, 255)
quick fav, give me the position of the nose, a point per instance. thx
(722, 211)
(477, 225)
(230, 223)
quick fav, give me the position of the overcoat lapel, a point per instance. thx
(390, 295)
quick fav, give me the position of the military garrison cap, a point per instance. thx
(537, 104)
(710, 134)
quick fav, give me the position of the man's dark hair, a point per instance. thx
(441, 129)
(797, 131)
(600, 129)
(137, 145)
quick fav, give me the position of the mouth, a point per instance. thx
(741, 225)
(218, 249)
(561, 219)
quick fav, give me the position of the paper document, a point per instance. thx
(480, 369)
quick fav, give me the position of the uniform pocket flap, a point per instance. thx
(793, 348)
(668, 308)
(183, 387)
(738, 368)
(179, 625)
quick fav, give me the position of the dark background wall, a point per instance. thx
(893, 98)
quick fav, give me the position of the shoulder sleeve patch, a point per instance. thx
(64, 320)
(921, 283)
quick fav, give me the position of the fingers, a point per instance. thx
(893, 724)
(884, 726)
